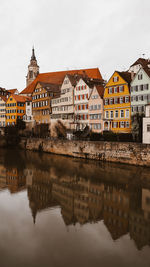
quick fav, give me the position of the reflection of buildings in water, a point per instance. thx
(96, 200)
(40, 192)
(16, 180)
(29, 176)
(139, 229)
(88, 200)
(80, 200)
(2, 177)
(116, 211)
(139, 221)
(146, 203)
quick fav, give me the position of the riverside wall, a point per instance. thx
(129, 153)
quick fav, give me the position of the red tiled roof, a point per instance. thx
(20, 98)
(4, 97)
(57, 77)
(12, 91)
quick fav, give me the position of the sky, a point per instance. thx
(67, 34)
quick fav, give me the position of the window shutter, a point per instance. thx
(124, 99)
(112, 90)
(85, 86)
(79, 97)
(87, 96)
(83, 96)
(79, 107)
(75, 97)
(118, 100)
(118, 89)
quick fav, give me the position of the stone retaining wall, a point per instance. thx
(130, 153)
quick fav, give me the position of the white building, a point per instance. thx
(63, 106)
(3, 100)
(146, 126)
(28, 117)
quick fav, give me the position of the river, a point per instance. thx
(57, 211)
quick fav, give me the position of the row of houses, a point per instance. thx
(81, 98)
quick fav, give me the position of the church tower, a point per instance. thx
(33, 69)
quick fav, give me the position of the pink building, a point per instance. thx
(96, 109)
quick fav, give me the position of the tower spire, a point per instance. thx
(33, 69)
(33, 54)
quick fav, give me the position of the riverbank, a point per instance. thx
(129, 153)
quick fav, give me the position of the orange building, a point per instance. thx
(15, 108)
(117, 103)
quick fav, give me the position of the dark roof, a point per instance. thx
(58, 77)
(147, 70)
(50, 86)
(100, 90)
(142, 61)
(125, 75)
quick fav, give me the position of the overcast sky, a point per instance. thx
(67, 34)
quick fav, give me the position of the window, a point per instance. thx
(127, 124)
(146, 86)
(140, 76)
(121, 113)
(110, 90)
(126, 99)
(148, 127)
(127, 113)
(106, 114)
(121, 88)
(115, 89)
(116, 113)
(121, 100)
(141, 87)
(111, 101)
(116, 100)
(116, 79)
(122, 124)
(111, 114)
(115, 124)
(106, 101)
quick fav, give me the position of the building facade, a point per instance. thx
(146, 125)
(15, 109)
(63, 106)
(3, 100)
(117, 104)
(96, 109)
(41, 101)
(140, 91)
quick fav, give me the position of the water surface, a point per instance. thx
(57, 211)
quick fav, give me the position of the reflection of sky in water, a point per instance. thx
(51, 243)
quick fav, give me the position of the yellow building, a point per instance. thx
(117, 103)
(15, 108)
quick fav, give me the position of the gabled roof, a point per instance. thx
(147, 70)
(141, 61)
(125, 75)
(3, 97)
(50, 86)
(100, 90)
(57, 77)
(20, 98)
(12, 91)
